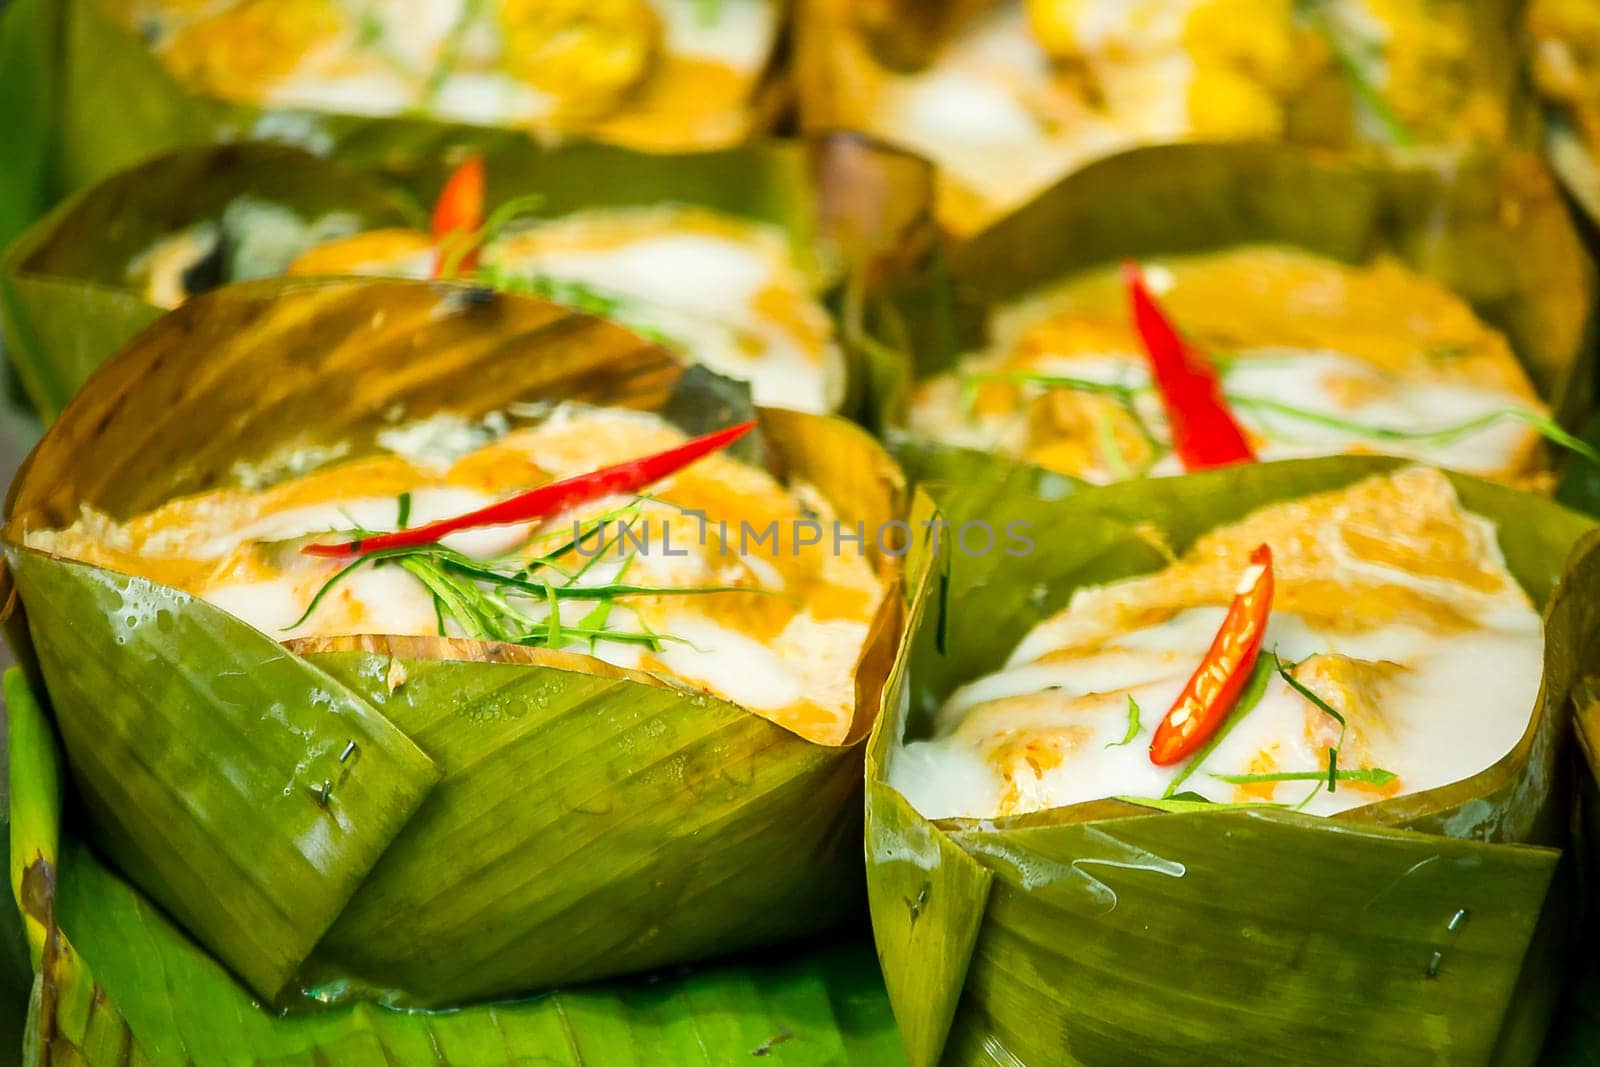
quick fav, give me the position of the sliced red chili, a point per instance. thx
(1215, 686)
(457, 218)
(1204, 432)
(547, 500)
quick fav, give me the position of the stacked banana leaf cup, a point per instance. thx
(1218, 933)
(226, 847)
(70, 302)
(1490, 227)
(426, 821)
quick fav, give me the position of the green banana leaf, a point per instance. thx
(585, 822)
(65, 299)
(66, 303)
(1579, 487)
(1217, 933)
(28, 32)
(1491, 227)
(119, 105)
(118, 983)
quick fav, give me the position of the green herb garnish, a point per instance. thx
(486, 598)
(403, 511)
(579, 296)
(1107, 434)
(1133, 724)
(370, 30)
(371, 33)
(455, 246)
(450, 52)
(1125, 396)
(1365, 88)
(1371, 776)
(1443, 435)
(1254, 688)
(1321, 705)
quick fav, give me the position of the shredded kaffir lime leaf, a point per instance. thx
(1125, 396)
(1369, 775)
(1133, 724)
(486, 598)
(1254, 688)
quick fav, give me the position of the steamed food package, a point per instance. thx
(501, 646)
(1289, 732)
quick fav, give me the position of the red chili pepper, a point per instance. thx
(1217, 682)
(548, 500)
(1204, 432)
(458, 216)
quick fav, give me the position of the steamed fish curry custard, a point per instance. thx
(728, 292)
(670, 559)
(1322, 654)
(725, 291)
(1019, 93)
(1309, 357)
(652, 73)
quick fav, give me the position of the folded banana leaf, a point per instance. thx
(67, 298)
(118, 105)
(1218, 933)
(1586, 722)
(118, 983)
(585, 823)
(1490, 226)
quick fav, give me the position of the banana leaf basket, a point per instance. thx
(1424, 928)
(511, 820)
(118, 983)
(848, 207)
(1492, 227)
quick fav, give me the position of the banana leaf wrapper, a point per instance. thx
(1492, 227)
(1220, 933)
(561, 821)
(27, 34)
(845, 48)
(848, 207)
(1586, 722)
(119, 984)
(118, 105)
